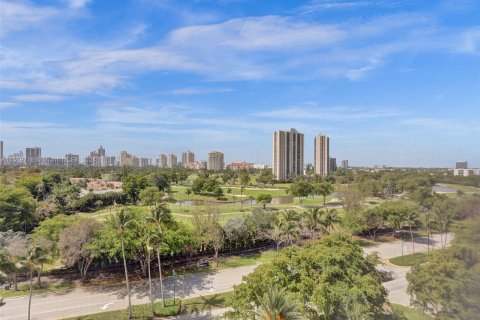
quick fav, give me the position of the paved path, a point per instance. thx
(93, 300)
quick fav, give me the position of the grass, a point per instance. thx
(24, 290)
(139, 312)
(247, 260)
(409, 260)
(405, 313)
(206, 303)
(461, 187)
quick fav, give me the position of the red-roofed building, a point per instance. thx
(235, 166)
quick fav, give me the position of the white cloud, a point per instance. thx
(39, 98)
(78, 3)
(17, 16)
(198, 90)
(5, 105)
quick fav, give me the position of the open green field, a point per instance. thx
(406, 313)
(409, 260)
(461, 187)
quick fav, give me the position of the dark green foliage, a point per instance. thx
(90, 202)
(144, 311)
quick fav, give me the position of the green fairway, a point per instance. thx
(206, 303)
(409, 260)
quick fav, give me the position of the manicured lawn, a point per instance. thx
(247, 260)
(461, 187)
(24, 290)
(406, 313)
(205, 303)
(409, 260)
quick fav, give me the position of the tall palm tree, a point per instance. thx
(429, 222)
(150, 247)
(160, 215)
(312, 220)
(121, 221)
(276, 234)
(330, 218)
(411, 220)
(33, 261)
(277, 305)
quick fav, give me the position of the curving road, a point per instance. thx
(79, 302)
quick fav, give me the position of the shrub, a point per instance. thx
(144, 311)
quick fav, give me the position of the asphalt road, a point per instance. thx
(93, 300)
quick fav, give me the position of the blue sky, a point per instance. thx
(391, 82)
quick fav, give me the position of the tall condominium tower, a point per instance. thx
(215, 161)
(172, 160)
(187, 157)
(162, 160)
(344, 164)
(287, 154)
(33, 156)
(101, 152)
(321, 154)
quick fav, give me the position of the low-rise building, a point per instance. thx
(235, 166)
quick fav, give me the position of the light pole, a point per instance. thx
(174, 285)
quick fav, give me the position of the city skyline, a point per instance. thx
(373, 75)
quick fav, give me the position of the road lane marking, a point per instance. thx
(107, 305)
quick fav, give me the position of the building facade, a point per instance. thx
(172, 160)
(33, 156)
(72, 160)
(461, 165)
(344, 164)
(215, 161)
(126, 159)
(162, 161)
(332, 164)
(288, 152)
(187, 158)
(321, 154)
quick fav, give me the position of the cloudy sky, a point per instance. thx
(393, 82)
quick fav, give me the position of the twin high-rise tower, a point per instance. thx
(288, 151)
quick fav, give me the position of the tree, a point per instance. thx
(43, 255)
(319, 275)
(121, 221)
(216, 238)
(17, 208)
(245, 179)
(132, 185)
(236, 232)
(150, 195)
(34, 261)
(160, 216)
(265, 177)
(51, 229)
(161, 181)
(374, 219)
(278, 305)
(301, 189)
(330, 218)
(428, 220)
(276, 234)
(446, 285)
(350, 196)
(76, 247)
(264, 199)
(15, 244)
(444, 211)
(411, 220)
(325, 189)
(312, 220)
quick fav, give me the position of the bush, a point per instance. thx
(144, 311)
(94, 201)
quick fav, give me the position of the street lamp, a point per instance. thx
(174, 285)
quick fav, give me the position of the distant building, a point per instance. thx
(53, 161)
(172, 160)
(109, 161)
(101, 151)
(344, 164)
(260, 166)
(33, 156)
(321, 154)
(215, 161)
(72, 160)
(1, 150)
(126, 159)
(333, 164)
(235, 166)
(187, 158)
(466, 172)
(144, 162)
(461, 165)
(287, 155)
(162, 161)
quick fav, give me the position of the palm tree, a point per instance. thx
(330, 218)
(251, 198)
(34, 256)
(312, 219)
(150, 246)
(429, 222)
(411, 220)
(6, 264)
(276, 234)
(159, 216)
(121, 221)
(277, 305)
